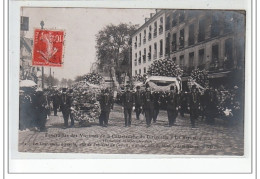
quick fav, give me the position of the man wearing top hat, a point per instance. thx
(138, 102)
(106, 104)
(194, 103)
(65, 106)
(128, 102)
(172, 106)
(148, 105)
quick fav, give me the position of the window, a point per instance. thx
(174, 59)
(150, 33)
(144, 70)
(139, 59)
(181, 16)
(167, 25)
(150, 53)
(174, 19)
(144, 41)
(215, 53)
(140, 71)
(155, 29)
(161, 26)
(191, 34)
(215, 26)
(135, 59)
(135, 72)
(135, 41)
(201, 57)
(174, 42)
(167, 48)
(191, 59)
(182, 61)
(161, 48)
(181, 40)
(202, 27)
(228, 22)
(144, 56)
(140, 39)
(155, 51)
(228, 60)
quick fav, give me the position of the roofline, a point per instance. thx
(149, 21)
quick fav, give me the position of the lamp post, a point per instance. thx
(42, 24)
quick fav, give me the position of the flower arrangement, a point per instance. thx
(94, 78)
(165, 67)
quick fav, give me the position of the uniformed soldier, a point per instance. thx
(172, 106)
(106, 104)
(138, 102)
(128, 102)
(148, 105)
(194, 105)
(65, 106)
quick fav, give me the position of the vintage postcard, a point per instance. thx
(132, 81)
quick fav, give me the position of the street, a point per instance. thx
(220, 139)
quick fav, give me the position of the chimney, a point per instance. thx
(151, 15)
(146, 19)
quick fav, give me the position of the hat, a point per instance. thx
(64, 89)
(127, 86)
(71, 90)
(172, 88)
(138, 87)
(193, 86)
(147, 85)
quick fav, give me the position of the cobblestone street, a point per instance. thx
(221, 139)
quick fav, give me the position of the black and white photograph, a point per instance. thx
(132, 81)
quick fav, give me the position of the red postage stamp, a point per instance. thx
(48, 48)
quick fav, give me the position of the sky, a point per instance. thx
(81, 25)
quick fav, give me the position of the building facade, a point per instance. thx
(206, 39)
(148, 43)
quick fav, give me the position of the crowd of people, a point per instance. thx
(36, 105)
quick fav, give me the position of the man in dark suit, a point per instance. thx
(128, 102)
(138, 102)
(211, 105)
(194, 105)
(172, 106)
(148, 105)
(156, 95)
(56, 102)
(40, 106)
(106, 104)
(65, 106)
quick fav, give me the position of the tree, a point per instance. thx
(63, 82)
(79, 78)
(113, 44)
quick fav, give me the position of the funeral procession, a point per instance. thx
(169, 83)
